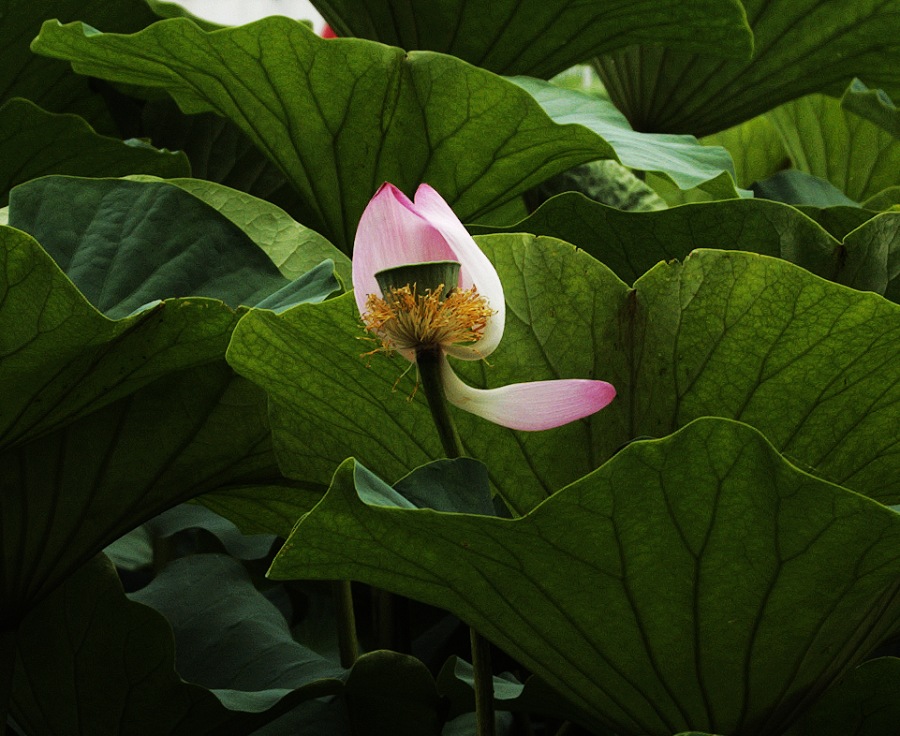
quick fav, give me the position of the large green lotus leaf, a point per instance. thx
(341, 116)
(679, 158)
(811, 364)
(800, 47)
(755, 148)
(863, 703)
(91, 661)
(826, 139)
(867, 258)
(48, 83)
(34, 142)
(127, 243)
(542, 37)
(698, 581)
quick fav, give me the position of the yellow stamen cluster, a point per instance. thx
(406, 320)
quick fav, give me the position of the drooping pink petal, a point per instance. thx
(392, 233)
(328, 32)
(530, 406)
(475, 269)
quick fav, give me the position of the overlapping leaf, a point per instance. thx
(293, 248)
(124, 656)
(34, 142)
(811, 364)
(542, 37)
(755, 147)
(680, 158)
(218, 151)
(874, 105)
(800, 47)
(866, 257)
(826, 139)
(229, 637)
(694, 582)
(107, 422)
(46, 82)
(339, 117)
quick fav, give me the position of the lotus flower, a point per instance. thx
(464, 319)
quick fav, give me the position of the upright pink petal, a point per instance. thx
(475, 269)
(392, 233)
(529, 406)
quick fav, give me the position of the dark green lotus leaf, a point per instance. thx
(459, 485)
(542, 37)
(271, 509)
(830, 140)
(48, 83)
(339, 117)
(69, 493)
(681, 159)
(295, 249)
(811, 364)
(863, 703)
(218, 151)
(800, 47)
(126, 244)
(698, 581)
(604, 181)
(135, 549)
(866, 257)
(799, 188)
(229, 637)
(124, 657)
(392, 694)
(34, 142)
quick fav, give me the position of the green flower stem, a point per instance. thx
(429, 365)
(428, 362)
(348, 646)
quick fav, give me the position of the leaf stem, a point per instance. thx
(7, 667)
(348, 646)
(428, 362)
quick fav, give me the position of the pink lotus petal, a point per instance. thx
(392, 233)
(529, 406)
(475, 269)
(328, 32)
